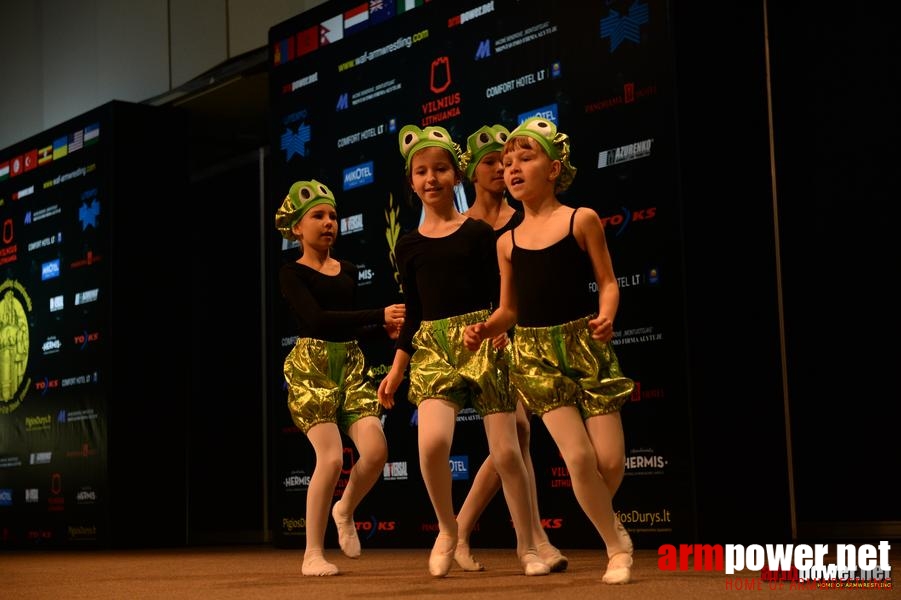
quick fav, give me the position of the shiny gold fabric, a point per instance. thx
(326, 384)
(563, 366)
(442, 367)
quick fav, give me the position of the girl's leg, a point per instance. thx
(568, 430)
(368, 437)
(606, 433)
(436, 431)
(503, 444)
(326, 440)
(548, 553)
(484, 487)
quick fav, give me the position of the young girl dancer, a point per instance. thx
(327, 392)
(449, 275)
(562, 361)
(482, 164)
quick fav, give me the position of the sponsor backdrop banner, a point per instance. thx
(344, 78)
(54, 293)
(61, 386)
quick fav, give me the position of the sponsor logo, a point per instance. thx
(50, 269)
(395, 471)
(40, 458)
(471, 14)
(636, 335)
(86, 495)
(51, 345)
(516, 83)
(80, 379)
(459, 466)
(359, 136)
(43, 213)
(86, 296)
(301, 83)
(293, 525)
(294, 140)
(75, 416)
(625, 218)
(352, 224)
(15, 306)
(296, 481)
(9, 250)
(620, 28)
(548, 112)
(447, 105)
(358, 175)
(615, 156)
(42, 243)
(89, 211)
(483, 50)
(630, 95)
(39, 423)
(401, 43)
(365, 275)
(644, 461)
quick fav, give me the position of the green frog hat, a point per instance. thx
(484, 141)
(554, 143)
(413, 139)
(302, 196)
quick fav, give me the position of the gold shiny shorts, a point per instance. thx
(442, 367)
(562, 365)
(326, 384)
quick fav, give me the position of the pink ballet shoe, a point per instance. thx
(465, 560)
(317, 566)
(552, 557)
(442, 555)
(347, 533)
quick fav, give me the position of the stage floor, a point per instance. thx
(261, 572)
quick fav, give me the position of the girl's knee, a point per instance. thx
(580, 460)
(611, 465)
(331, 463)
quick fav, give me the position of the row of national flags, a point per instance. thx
(335, 28)
(57, 149)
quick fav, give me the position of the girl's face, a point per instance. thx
(318, 228)
(433, 175)
(489, 173)
(529, 172)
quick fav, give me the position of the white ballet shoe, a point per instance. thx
(532, 564)
(552, 557)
